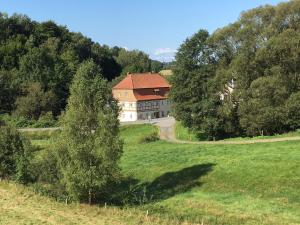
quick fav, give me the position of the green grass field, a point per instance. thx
(221, 184)
(216, 184)
(183, 133)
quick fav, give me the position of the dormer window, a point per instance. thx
(156, 91)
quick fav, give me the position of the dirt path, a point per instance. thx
(167, 133)
(38, 129)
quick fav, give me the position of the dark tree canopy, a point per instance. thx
(49, 54)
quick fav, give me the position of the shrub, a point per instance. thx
(150, 137)
(46, 120)
(15, 154)
(293, 111)
(16, 121)
(56, 191)
(44, 167)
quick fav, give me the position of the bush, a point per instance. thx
(55, 191)
(15, 154)
(16, 121)
(150, 137)
(293, 111)
(45, 120)
(44, 167)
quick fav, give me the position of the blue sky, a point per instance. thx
(157, 27)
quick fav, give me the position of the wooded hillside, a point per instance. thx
(39, 60)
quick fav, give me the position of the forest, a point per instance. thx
(243, 79)
(38, 62)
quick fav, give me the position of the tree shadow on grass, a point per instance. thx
(133, 192)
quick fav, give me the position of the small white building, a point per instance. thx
(142, 96)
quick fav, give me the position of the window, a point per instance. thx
(130, 105)
(130, 116)
(123, 115)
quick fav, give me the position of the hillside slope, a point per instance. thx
(245, 184)
(18, 205)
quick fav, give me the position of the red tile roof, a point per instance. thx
(142, 80)
(148, 94)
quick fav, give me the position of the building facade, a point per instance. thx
(142, 96)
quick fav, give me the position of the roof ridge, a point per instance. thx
(142, 80)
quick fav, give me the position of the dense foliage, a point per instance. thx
(244, 79)
(43, 58)
(15, 154)
(89, 146)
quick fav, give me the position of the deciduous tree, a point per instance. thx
(90, 143)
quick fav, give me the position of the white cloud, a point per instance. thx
(164, 54)
(164, 51)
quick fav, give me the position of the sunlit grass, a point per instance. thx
(183, 133)
(216, 184)
(224, 184)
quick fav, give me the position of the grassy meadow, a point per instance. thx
(183, 133)
(182, 183)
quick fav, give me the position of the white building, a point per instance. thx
(142, 96)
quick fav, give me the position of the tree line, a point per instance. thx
(243, 79)
(39, 60)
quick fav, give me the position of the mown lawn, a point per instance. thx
(221, 184)
(216, 184)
